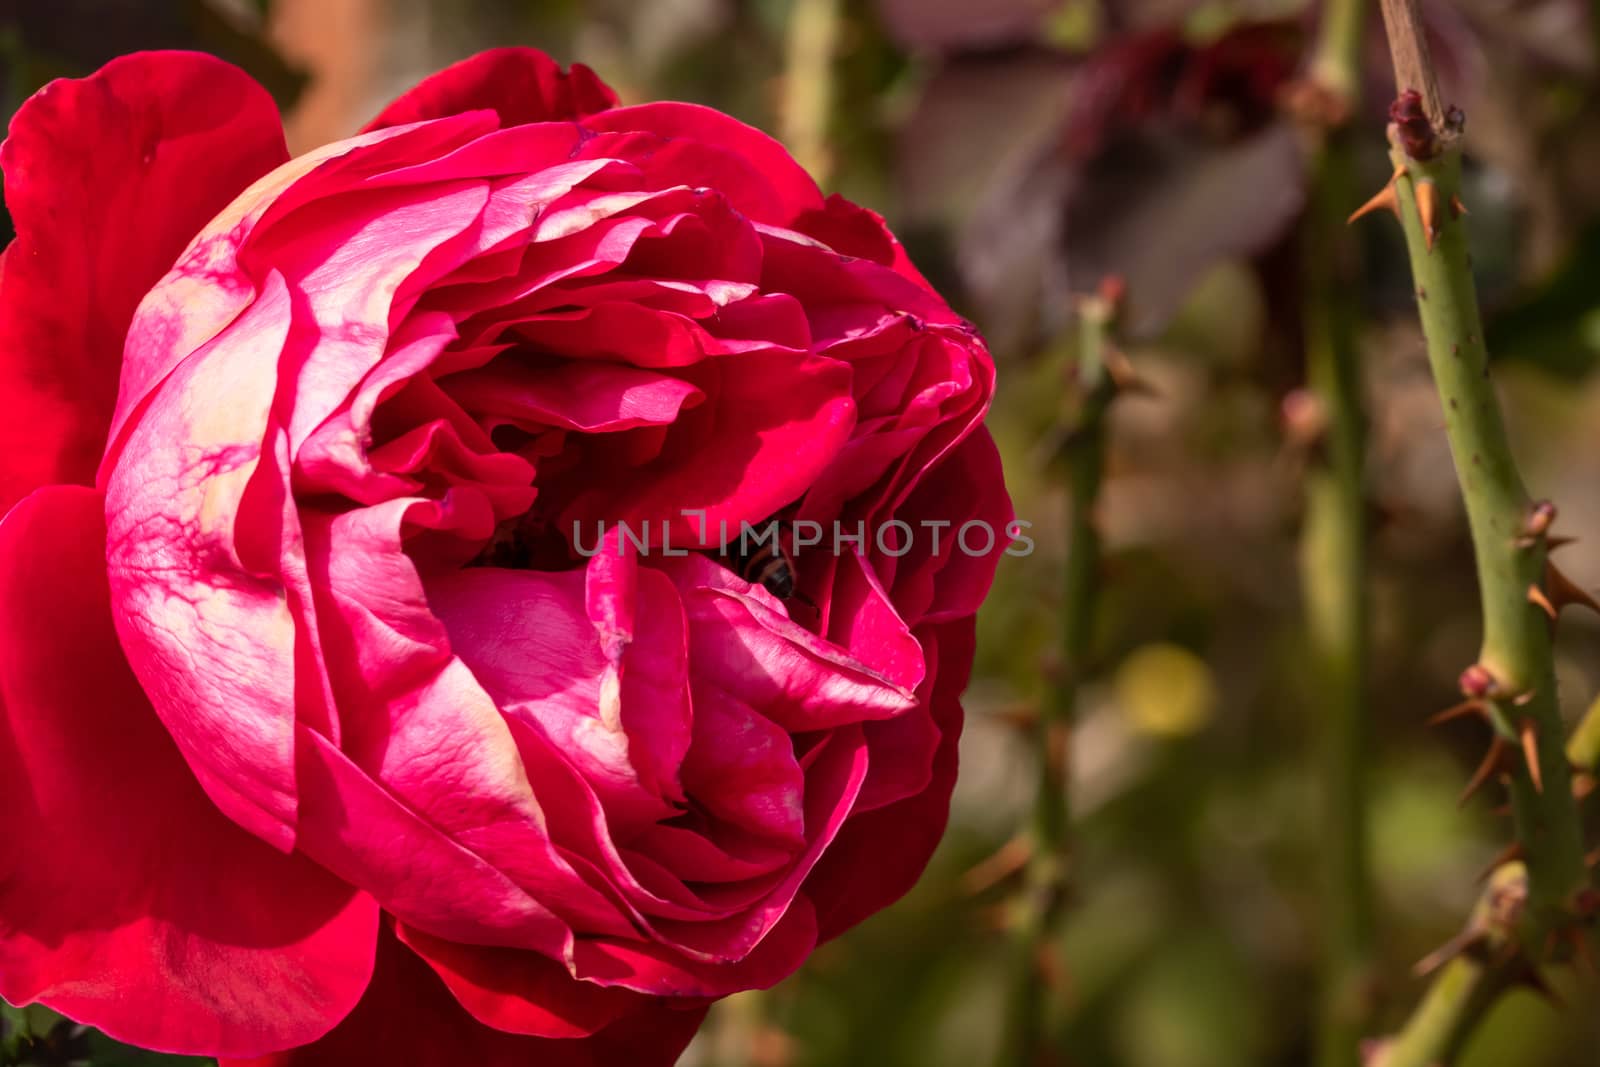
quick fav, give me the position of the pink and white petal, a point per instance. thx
(416, 718)
(211, 638)
(530, 642)
(127, 901)
(434, 882)
(409, 1017)
(521, 85)
(209, 285)
(107, 179)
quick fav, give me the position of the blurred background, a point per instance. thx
(1025, 149)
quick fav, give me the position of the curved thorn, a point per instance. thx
(1564, 590)
(1538, 599)
(1427, 194)
(1493, 763)
(1004, 862)
(1384, 200)
(1528, 729)
(1472, 706)
(1446, 952)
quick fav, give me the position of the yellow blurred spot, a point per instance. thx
(1166, 690)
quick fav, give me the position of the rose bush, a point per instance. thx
(326, 742)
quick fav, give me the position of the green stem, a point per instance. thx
(1045, 878)
(1467, 986)
(1516, 635)
(807, 111)
(1333, 554)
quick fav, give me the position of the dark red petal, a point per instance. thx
(127, 901)
(107, 179)
(880, 854)
(409, 1017)
(519, 991)
(522, 85)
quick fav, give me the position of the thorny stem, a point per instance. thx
(1465, 987)
(1333, 553)
(1045, 878)
(1516, 649)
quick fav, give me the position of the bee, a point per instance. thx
(767, 563)
(770, 566)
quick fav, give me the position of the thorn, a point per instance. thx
(1553, 543)
(1583, 784)
(1537, 598)
(1125, 377)
(1493, 764)
(1457, 208)
(1446, 952)
(1514, 851)
(1023, 718)
(1592, 860)
(1428, 209)
(1564, 590)
(1384, 200)
(1529, 731)
(1007, 860)
(1474, 706)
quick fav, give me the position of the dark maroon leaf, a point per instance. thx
(958, 25)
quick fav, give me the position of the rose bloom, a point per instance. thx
(322, 741)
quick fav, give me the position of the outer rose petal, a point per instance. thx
(126, 899)
(879, 855)
(107, 179)
(409, 1017)
(522, 992)
(521, 84)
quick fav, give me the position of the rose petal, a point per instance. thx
(409, 1017)
(880, 854)
(211, 639)
(521, 85)
(127, 901)
(521, 992)
(707, 147)
(107, 179)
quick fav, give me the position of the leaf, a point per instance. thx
(951, 25)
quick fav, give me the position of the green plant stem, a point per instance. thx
(1039, 906)
(1516, 635)
(1467, 986)
(807, 111)
(1516, 650)
(1333, 552)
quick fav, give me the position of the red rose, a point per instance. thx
(329, 729)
